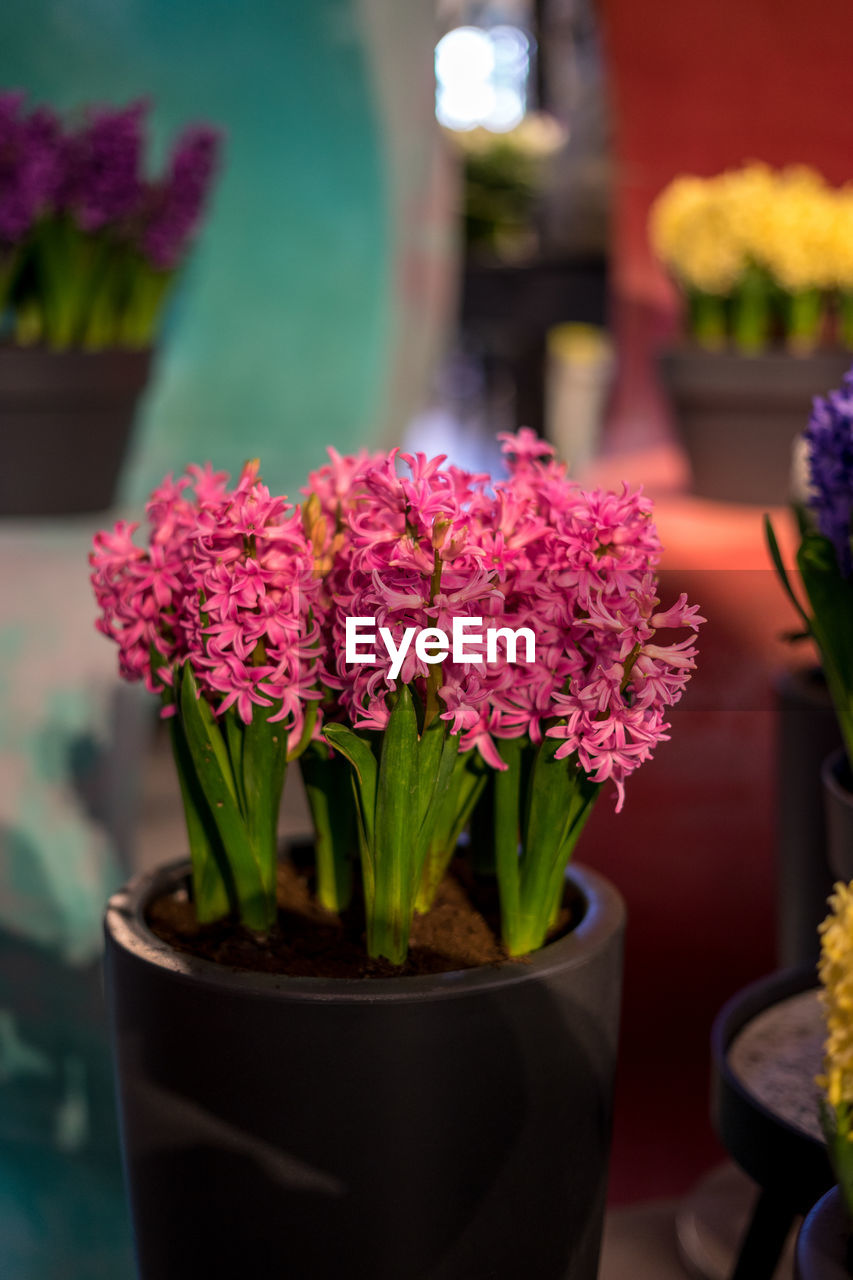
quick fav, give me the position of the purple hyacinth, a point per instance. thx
(103, 181)
(177, 205)
(30, 158)
(829, 437)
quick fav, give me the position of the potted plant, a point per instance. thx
(382, 1059)
(763, 264)
(503, 177)
(825, 567)
(824, 1247)
(89, 250)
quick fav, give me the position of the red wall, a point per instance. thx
(698, 86)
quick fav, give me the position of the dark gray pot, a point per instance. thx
(65, 421)
(838, 802)
(434, 1128)
(738, 415)
(823, 1245)
(807, 731)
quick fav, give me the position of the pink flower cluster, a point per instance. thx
(256, 594)
(536, 551)
(226, 581)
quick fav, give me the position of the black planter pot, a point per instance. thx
(824, 1249)
(738, 415)
(453, 1127)
(65, 421)
(838, 802)
(807, 731)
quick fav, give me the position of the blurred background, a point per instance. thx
(426, 223)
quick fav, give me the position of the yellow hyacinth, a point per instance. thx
(836, 975)
(692, 233)
(789, 222)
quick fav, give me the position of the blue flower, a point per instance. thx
(829, 437)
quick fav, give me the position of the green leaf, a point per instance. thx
(328, 780)
(264, 767)
(394, 836)
(507, 797)
(831, 598)
(776, 557)
(213, 885)
(354, 749)
(212, 766)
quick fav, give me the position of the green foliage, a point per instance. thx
(231, 777)
(826, 615)
(541, 806)
(71, 288)
(400, 779)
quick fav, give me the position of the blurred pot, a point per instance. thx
(448, 1127)
(823, 1246)
(838, 802)
(807, 731)
(65, 422)
(739, 415)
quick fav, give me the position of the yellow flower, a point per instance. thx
(692, 233)
(836, 975)
(790, 223)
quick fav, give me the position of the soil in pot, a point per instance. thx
(462, 931)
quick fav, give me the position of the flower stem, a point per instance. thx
(707, 319)
(328, 789)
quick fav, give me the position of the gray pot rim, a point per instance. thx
(125, 926)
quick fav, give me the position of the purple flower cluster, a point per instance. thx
(102, 182)
(94, 173)
(179, 202)
(829, 437)
(30, 148)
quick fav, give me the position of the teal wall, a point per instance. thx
(279, 340)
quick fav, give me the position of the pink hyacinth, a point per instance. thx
(227, 582)
(580, 571)
(410, 542)
(410, 558)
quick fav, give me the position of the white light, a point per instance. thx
(511, 49)
(463, 106)
(466, 53)
(507, 110)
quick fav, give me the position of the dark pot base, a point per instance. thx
(824, 1246)
(453, 1127)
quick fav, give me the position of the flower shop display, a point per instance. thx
(391, 1045)
(825, 604)
(824, 1247)
(90, 247)
(503, 177)
(762, 261)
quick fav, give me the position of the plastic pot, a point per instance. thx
(807, 731)
(823, 1246)
(738, 415)
(65, 422)
(838, 808)
(453, 1127)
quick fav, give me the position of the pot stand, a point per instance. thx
(790, 1164)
